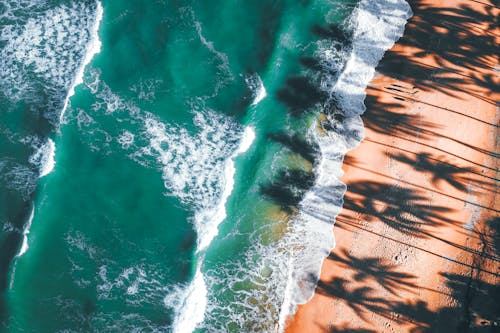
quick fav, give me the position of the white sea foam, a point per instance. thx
(44, 157)
(49, 45)
(247, 139)
(18, 177)
(255, 284)
(42, 46)
(192, 310)
(377, 25)
(255, 84)
(192, 164)
(208, 220)
(26, 231)
(224, 73)
(189, 304)
(126, 139)
(197, 168)
(93, 48)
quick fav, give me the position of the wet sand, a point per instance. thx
(418, 239)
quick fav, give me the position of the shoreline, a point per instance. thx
(419, 227)
(374, 28)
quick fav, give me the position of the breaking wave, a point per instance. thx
(42, 53)
(197, 168)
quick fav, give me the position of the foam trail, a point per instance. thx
(192, 305)
(43, 157)
(93, 48)
(26, 231)
(193, 308)
(377, 26)
(48, 160)
(208, 221)
(259, 90)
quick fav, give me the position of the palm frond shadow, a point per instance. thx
(288, 188)
(442, 171)
(403, 209)
(454, 38)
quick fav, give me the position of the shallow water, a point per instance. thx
(163, 163)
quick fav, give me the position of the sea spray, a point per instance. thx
(42, 56)
(377, 25)
(189, 303)
(208, 221)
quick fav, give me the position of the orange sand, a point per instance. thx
(418, 239)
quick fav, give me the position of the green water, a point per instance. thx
(142, 153)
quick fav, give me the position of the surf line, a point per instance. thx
(93, 48)
(46, 153)
(191, 309)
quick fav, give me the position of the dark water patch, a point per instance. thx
(333, 32)
(268, 27)
(299, 94)
(294, 142)
(288, 188)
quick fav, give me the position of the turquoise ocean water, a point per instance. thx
(172, 166)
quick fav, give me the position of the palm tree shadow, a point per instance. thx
(288, 188)
(359, 299)
(451, 37)
(400, 208)
(378, 270)
(381, 118)
(299, 94)
(307, 150)
(443, 171)
(346, 328)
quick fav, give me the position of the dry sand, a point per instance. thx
(418, 239)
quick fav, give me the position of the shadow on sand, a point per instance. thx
(461, 40)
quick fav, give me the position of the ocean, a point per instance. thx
(173, 166)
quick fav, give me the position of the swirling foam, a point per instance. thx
(255, 84)
(197, 168)
(41, 54)
(44, 157)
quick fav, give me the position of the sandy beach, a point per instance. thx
(418, 239)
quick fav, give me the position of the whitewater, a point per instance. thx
(162, 167)
(376, 26)
(191, 310)
(44, 156)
